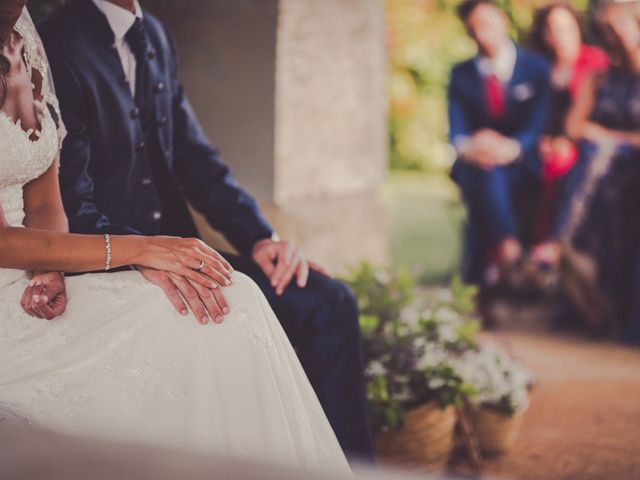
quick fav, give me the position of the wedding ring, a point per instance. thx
(201, 267)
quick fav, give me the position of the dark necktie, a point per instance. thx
(136, 37)
(138, 41)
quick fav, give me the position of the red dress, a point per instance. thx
(557, 163)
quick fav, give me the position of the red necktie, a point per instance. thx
(495, 96)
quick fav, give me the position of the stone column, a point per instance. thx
(293, 93)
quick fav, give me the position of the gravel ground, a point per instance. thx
(584, 419)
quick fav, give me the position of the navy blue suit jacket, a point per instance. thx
(527, 97)
(106, 183)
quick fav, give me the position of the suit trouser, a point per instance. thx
(490, 197)
(321, 321)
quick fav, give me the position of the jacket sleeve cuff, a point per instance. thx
(244, 235)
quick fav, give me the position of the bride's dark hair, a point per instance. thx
(5, 67)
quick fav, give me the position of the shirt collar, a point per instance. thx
(120, 19)
(501, 65)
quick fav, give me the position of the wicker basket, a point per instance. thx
(425, 440)
(496, 432)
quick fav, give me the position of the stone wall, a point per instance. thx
(330, 98)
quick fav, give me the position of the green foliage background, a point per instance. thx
(425, 39)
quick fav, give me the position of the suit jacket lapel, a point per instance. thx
(98, 24)
(516, 79)
(95, 21)
(473, 82)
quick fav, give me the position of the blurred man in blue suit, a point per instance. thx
(498, 107)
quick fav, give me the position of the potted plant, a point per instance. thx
(411, 341)
(500, 395)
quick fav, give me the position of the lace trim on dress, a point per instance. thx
(35, 148)
(31, 132)
(35, 58)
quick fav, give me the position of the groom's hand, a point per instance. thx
(205, 303)
(281, 260)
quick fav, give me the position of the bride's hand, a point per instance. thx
(45, 297)
(184, 257)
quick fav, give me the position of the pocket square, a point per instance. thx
(523, 91)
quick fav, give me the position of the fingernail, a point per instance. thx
(183, 312)
(227, 283)
(225, 310)
(32, 283)
(45, 299)
(36, 298)
(204, 320)
(219, 319)
(214, 285)
(38, 282)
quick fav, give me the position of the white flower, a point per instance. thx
(376, 369)
(420, 343)
(410, 316)
(382, 276)
(446, 315)
(447, 332)
(436, 382)
(434, 356)
(494, 375)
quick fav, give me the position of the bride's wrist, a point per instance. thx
(129, 250)
(40, 273)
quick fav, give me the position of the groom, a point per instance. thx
(135, 154)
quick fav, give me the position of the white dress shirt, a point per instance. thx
(121, 20)
(501, 65)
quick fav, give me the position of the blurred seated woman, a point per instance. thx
(597, 227)
(556, 35)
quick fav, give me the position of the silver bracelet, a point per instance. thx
(107, 244)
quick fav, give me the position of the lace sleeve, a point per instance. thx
(36, 58)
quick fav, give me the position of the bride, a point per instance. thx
(120, 363)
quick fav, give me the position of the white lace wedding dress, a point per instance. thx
(121, 364)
